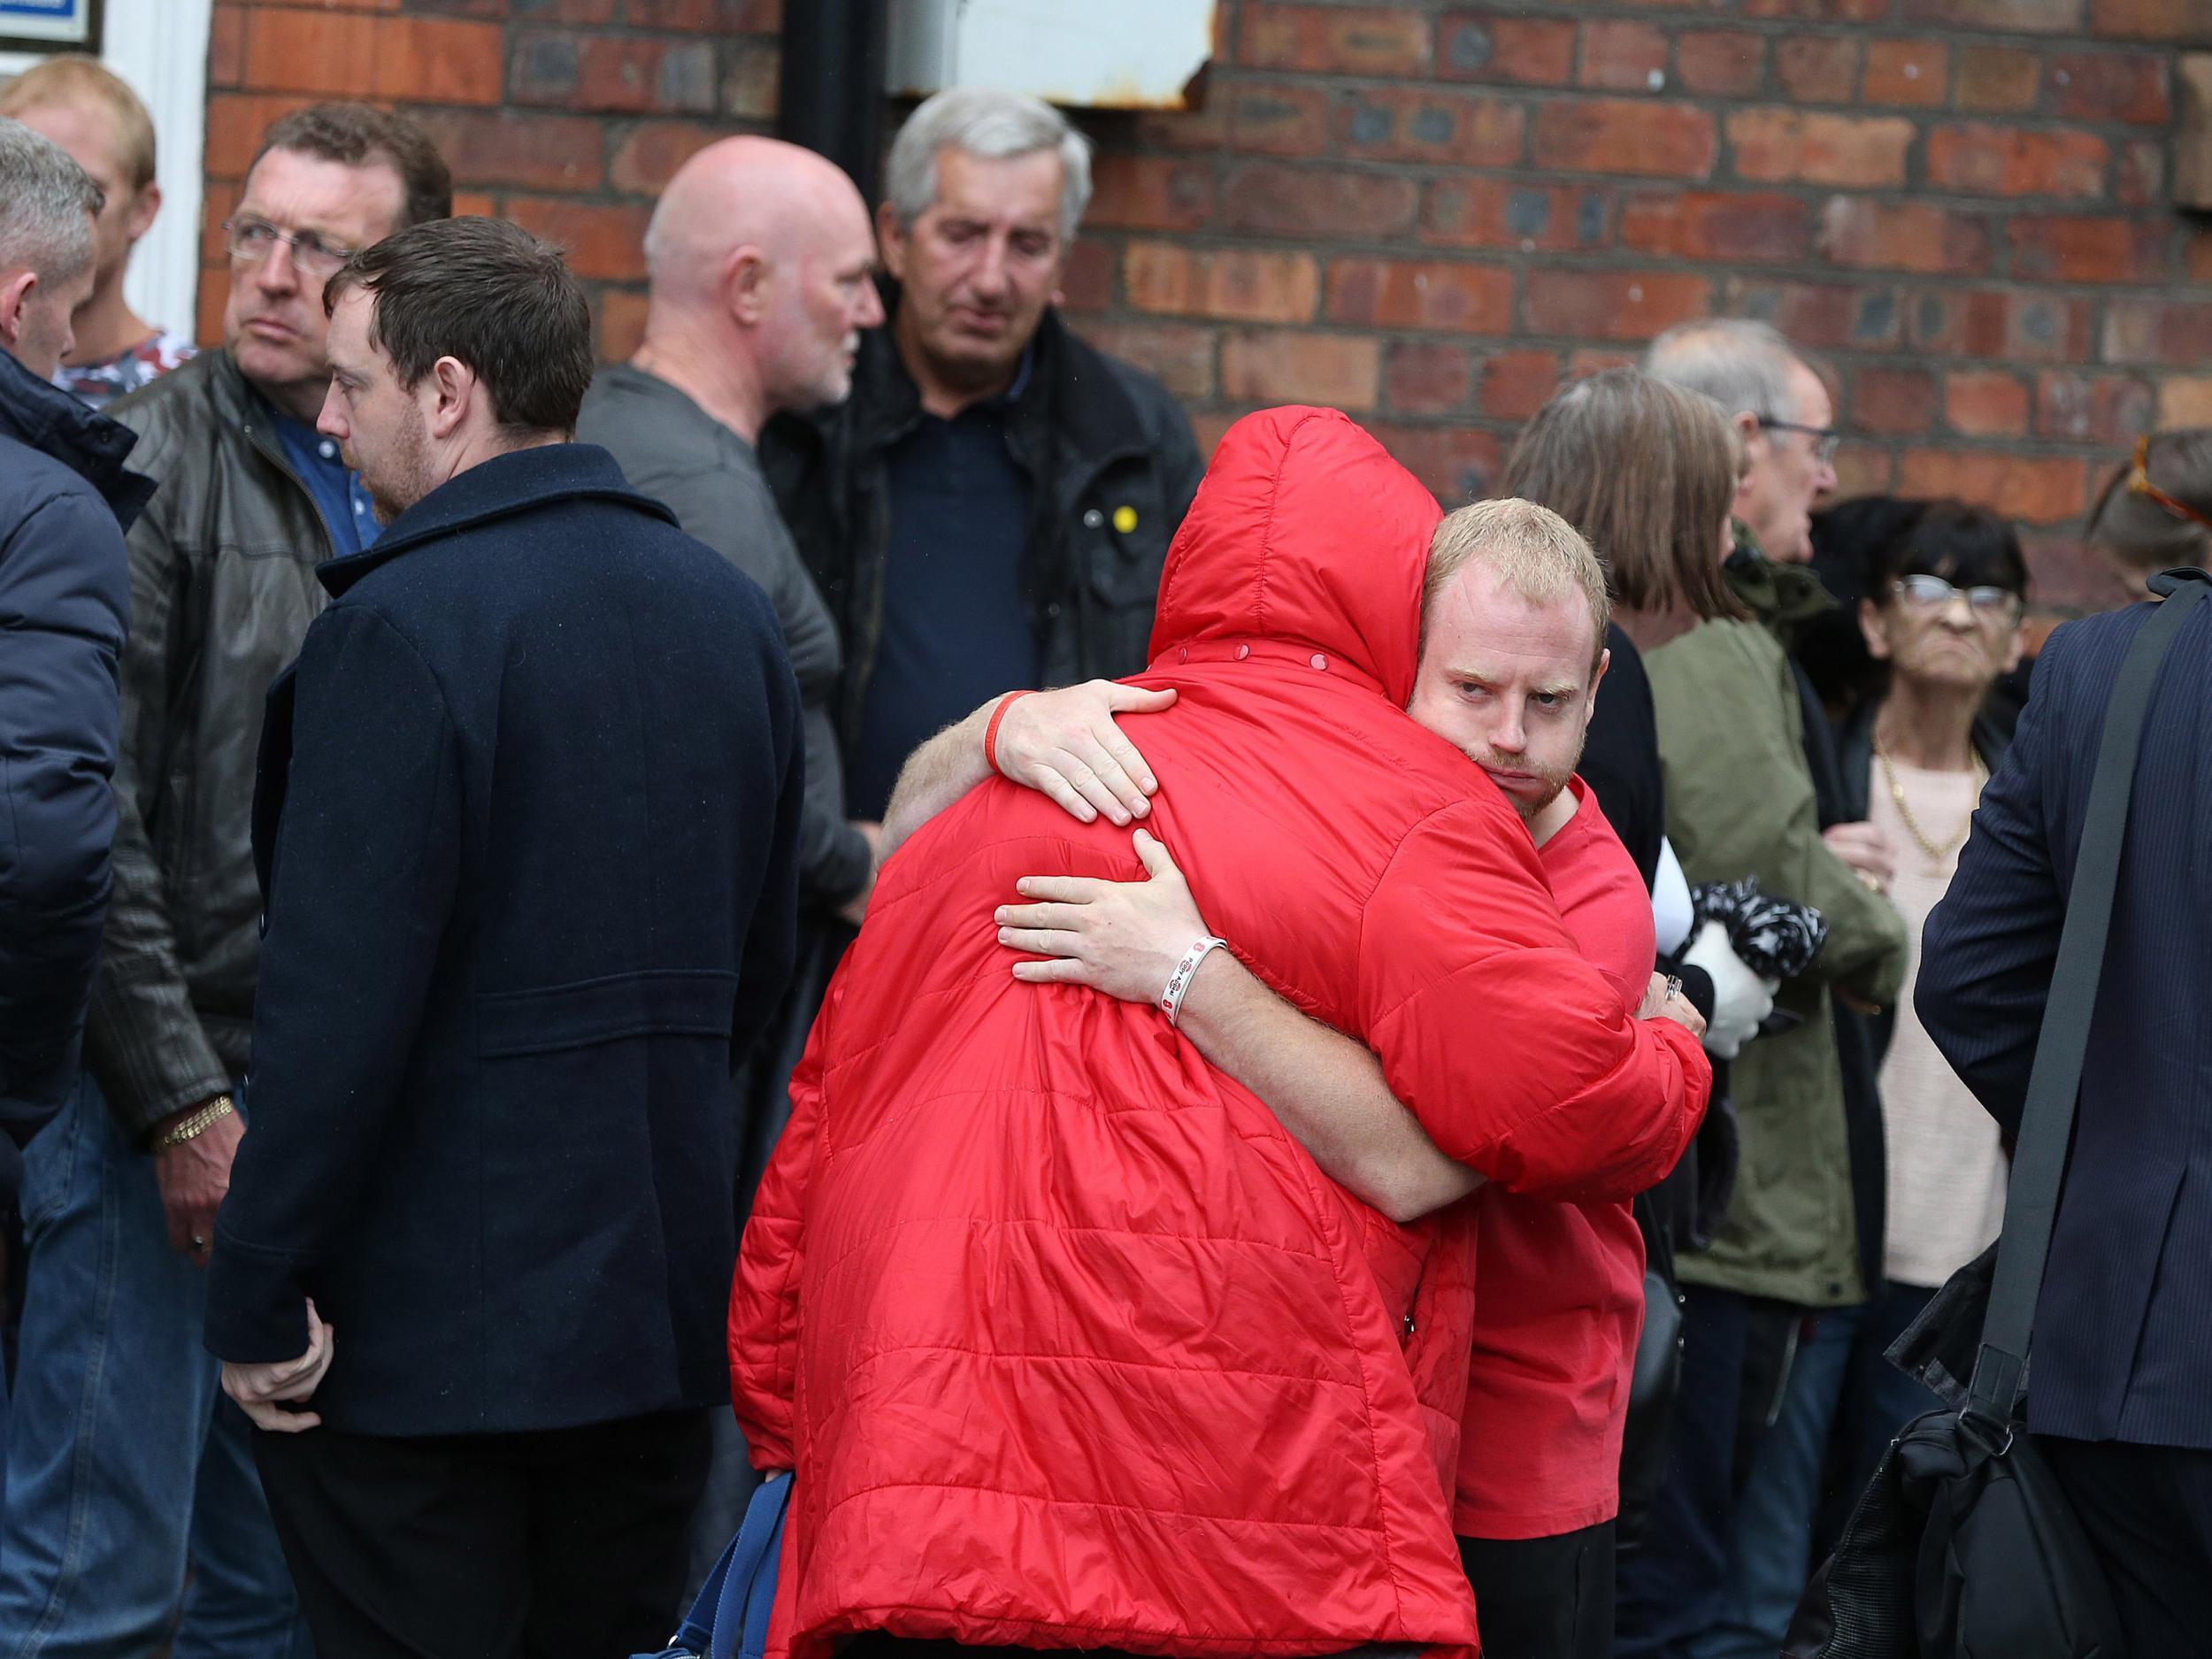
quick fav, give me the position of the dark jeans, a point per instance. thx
(562, 1544)
(1543, 1598)
(2147, 1511)
(1878, 1400)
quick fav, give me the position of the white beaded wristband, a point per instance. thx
(1186, 970)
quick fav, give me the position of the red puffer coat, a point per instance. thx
(1070, 1343)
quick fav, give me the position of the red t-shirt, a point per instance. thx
(1559, 1289)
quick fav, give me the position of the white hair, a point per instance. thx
(1742, 366)
(47, 203)
(997, 127)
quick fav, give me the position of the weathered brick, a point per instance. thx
(1086, 283)
(1986, 404)
(621, 323)
(2101, 408)
(542, 152)
(1824, 316)
(1818, 68)
(2185, 400)
(1818, 10)
(226, 48)
(2066, 249)
(1457, 462)
(1240, 285)
(2138, 178)
(1150, 193)
(1517, 383)
(302, 52)
(649, 157)
(1986, 160)
(1418, 124)
(602, 241)
(2116, 86)
(1863, 469)
(605, 71)
(1891, 402)
(1475, 212)
(1998, 79)
(2006, 326)
(1624, 135)
(1719, 63)
(2066, 579)
(1584, 361)
(1913, 72)
(235, 121)
(1271, 199)
(429, 60)
(1208, 427)
(2201, 255)
(1180, 354)
(702, 17)
(1622, 56)
(2159, 332)
(1273, 118)
(1783, 146)
(750, 78)
(2035, 490)
(1284, 366)
(1333, 40)
(2007, 16)
(2181, 20)
(1493, 46)
(1613, 304)
(1907, 236)
(1711, 226)
(1470, 299)
(1424, 377)
(474, 204)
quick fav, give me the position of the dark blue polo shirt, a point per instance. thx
(956, 629)
(337, 490)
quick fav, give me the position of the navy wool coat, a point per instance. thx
(527, 822)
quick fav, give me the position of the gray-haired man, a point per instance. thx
(993, 505)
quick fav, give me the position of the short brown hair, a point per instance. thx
(73, 78)
(356, 135)
(1647, 471)
(2135, 528)
(488, 293)
(1533, 550)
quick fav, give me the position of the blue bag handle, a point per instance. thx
(729, 1617)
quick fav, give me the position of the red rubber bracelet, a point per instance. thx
(990, 732)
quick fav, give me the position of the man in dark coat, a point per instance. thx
(65, 590)
(527, 823)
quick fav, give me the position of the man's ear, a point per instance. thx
(143, 207)
(1590, 699)
(745, 285)
(457, 390)
(15, 294)
(891, 240)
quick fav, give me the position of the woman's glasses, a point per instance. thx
(1932, 593)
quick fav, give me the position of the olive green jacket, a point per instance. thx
(1739, 802)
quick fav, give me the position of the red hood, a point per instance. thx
(1304, 531)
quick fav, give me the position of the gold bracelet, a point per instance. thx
(199, 1122)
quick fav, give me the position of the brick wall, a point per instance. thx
(1426, 213)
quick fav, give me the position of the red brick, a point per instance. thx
(605, 71)
(542, 152)
(217, 202)
(1150, 193)
(2065, 578)
(1711, 226)
(1271, 199)
(1204, 128)
(1475, 212)
(1517, 384)
(1818, 10)
(1456, 461)
(1998, 79)
(1986, 404)
(236, 122)
(1892, 401)
(1487, 46)
(706, 17)
(2201, 255)
(2070, 250)
(1588, 360)
(427, 60)
(2100, 408)
(1910, 72)
(1086, 284)
(226, 48)
(602, 241)
(1623, 57)
(1333, 40)
(1782, 146)
(1719, 63)
(649, 157)
(1180, 354)
(1272, 119)
(1468, 299)
(749, 80)
(1284, 367)
(2037, 491)
(1421, 376)
(306, 52)
(1411, 123)
(2003, 16)
(1240, 285)
(621, 324)
(214, 291)
(1909, 236)
(1823, 316)
(1613, 304)
(1987, 160)
(1817, 68)
(2139, 179)
(1623, 136)
(2185, 400)
(2182, 20)
(2157, 332)
(2120, 86)
(1209, 427)
(474, 204)
(2012, 327)
(1861, 469)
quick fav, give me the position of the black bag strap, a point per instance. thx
(2047, 1119)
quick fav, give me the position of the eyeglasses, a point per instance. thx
(253, 240)
(1825, 438)
(1932, 593)
(2139, 483)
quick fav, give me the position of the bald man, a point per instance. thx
(761, 256)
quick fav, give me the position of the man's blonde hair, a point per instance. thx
(74, 79)
(1533, 551)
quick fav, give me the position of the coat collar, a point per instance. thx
(41, 416)
(516, 482)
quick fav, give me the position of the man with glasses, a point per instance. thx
(124, 1464)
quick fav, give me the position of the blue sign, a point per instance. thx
(50, 25)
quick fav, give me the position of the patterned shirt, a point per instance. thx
(99, 384)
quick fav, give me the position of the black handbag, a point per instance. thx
(1964, 1544)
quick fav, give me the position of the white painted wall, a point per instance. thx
(1134, 54)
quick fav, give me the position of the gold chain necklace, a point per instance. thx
(1912, 827)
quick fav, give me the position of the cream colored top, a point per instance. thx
(1946, 1172)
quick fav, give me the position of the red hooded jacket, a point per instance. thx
(1070, 1343)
